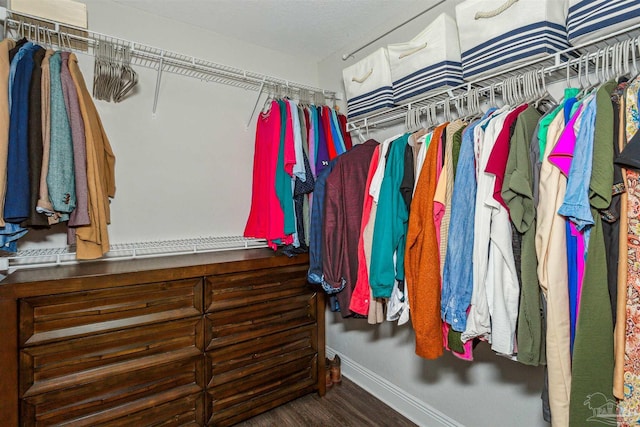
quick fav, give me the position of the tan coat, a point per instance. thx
(551, 250)
(93, 239)
(5, 46)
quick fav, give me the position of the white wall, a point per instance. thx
(491, 391)
(187, 171)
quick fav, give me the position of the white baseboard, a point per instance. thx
(392, 395)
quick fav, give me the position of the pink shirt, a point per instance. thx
(266, 218)
(438, 205)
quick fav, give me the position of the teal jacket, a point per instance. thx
(390, 228)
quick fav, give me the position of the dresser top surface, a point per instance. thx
(174, 267)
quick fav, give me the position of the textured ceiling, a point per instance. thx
(316, 28)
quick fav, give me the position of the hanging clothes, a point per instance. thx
(60, 177)
(616, 226)
(551, 251)
(93, 239)
(387, 252)
(517, 193)
(5, 46)
(592, 368)
(17, 198)
(44, 201)
(266, 218)
(362, 292)
(35, 147)
(421, 259)
(344, 201)
(457, 285)
(80, 214)
(629, 407)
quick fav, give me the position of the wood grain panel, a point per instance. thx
(290, 366)
(185, 411)
(57, 317)
(9, 361)
(284, 392)
(261, 349)
(73, 357)
(240, 289)
(251, 321)
(102, 395)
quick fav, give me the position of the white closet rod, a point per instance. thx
(552, 67)
(161, 60)
(348, 55)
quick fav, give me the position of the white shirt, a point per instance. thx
(376, 180)
(479, 318)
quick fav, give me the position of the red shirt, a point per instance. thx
(497, 162)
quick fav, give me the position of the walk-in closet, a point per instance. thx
(320, 212)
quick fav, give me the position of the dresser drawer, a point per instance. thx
(108, 393)
(240, 360)
(186, 411)
(64, 316)
(250, 376)
(257, 287)
(251, 321)
(43, 368)
(252, 403)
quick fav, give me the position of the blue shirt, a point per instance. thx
(17, 200)
(61, 175)
(337, 134)
(576, 206)
(315, 234)
(457, 284)
(12, 69)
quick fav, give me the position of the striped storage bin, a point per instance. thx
(496, 35)
(430, 61)
(367, 84)
(590, 19)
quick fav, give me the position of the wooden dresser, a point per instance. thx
(204, 339)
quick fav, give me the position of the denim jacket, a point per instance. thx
(457, 285)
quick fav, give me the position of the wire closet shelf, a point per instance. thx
(48, 257)
(553, 68)
(162, 60)
(84, 41)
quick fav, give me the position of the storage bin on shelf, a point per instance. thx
(367, 84)
(495, 36)
(431, 60)
(588, 20)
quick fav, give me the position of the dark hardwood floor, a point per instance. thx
(344, 405)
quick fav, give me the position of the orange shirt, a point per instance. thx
(422, 261)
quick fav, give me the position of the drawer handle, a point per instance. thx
(363, 78)
(412, 51)
(495, 12)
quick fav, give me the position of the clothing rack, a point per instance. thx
(566, 64)
(55, 34)
(162, 60)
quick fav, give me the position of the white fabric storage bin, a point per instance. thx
(495, 35)
(430, 61)
(367, 84)
(590, 19)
